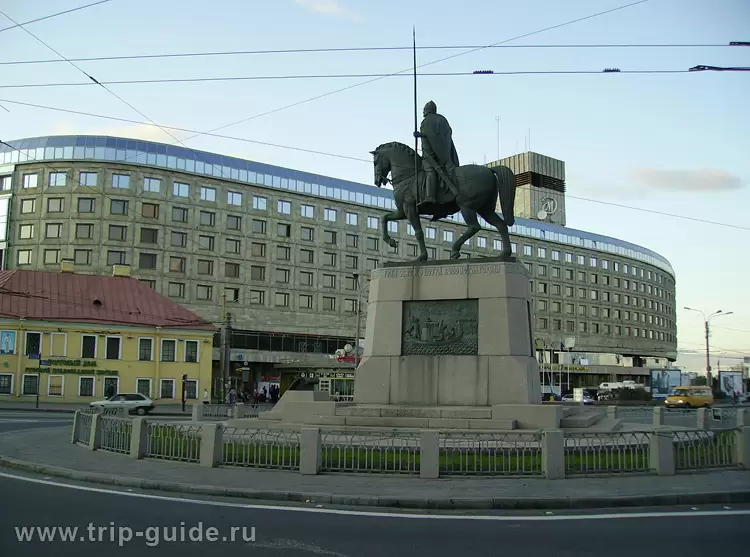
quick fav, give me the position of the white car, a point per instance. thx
(133, 402)
(570, 398)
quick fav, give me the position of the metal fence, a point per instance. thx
(701, 450)
(363, 451)
(82, 426)
(173, 442)
(115, 434)
(261, 448)
(607, 453)
(508, 454)
(217, 411)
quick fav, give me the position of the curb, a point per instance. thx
(73, 411)
(468, 503)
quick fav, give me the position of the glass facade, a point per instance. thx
(102, 148)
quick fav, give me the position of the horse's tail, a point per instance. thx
(506, 191)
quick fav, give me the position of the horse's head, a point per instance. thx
(382, 167)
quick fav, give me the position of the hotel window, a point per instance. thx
(307, 234)
(555, 255)
(329, 215)
(352, 219)
(541, 305)
(329, 259)
(329, 303)
(231, 270)
(447, 236)
(55, 204)
(372, 244)
(581, 260)
(257, 249)
(283, 253)
(527, 251)
(82, 257)
(118, 233)
(30, 181)
(120, 181)
(541, 253)
(177, 264)
(307, 256)
(284, 230)
(179, 214)
(257, 273)
(51, 256)
(206, 243)
(568, 274)
(260, 203)
(205, 267)
(176, 290)
(329, 281)
(329, 237)
(234, 198)
(307, 211)
(351, 262)
(28, 206)
(257, 297)
(181, 190)
(281, 299)
(147, 261)
(556, 307)
(87, 179)
(541, 270)
(593, 262)
(352, 241)
(152, 185)
(149, 235)
(282, 275)
(305, 278)
(232, 294)
(393, 227)
(373, 222)
(568, 258)
(204, 292)
(513, 247)
(234, 222)
(145, 349)
(482, 242)
(284, 207)
(430, 233)
(259, 226)
(150, 211)
(26, 231)
(118, 207)
(207, 218)
(555, 272)
(305, 301)
(232, 245)
(179, 239)
(208, 194)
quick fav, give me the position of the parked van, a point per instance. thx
(690, 397)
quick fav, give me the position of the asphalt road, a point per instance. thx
(285, 532)
(12, 421)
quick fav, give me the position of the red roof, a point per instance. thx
(90, 298)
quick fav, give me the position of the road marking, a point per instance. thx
(384, 514)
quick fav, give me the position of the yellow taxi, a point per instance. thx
(690, 397)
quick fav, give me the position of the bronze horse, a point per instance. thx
(479, 188)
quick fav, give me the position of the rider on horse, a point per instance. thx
(438, 150)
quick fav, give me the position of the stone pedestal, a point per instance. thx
(449, 333)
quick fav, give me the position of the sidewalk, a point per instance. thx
(162, 409)
(49, 451)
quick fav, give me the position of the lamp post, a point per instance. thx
(706, 323)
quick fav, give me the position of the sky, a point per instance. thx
(669, 143)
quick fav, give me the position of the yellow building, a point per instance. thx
(77, 338)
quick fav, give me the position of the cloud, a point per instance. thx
(700, 180)
(329, 7)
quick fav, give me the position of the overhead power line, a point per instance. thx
(332, 76)
(362, 83)
(16, 25)
(362, 49)
(338, 155)
(92, 79)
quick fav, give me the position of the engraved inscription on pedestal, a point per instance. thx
(440, 327)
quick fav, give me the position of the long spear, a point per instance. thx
(416, 140)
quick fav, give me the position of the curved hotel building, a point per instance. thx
(287, 253)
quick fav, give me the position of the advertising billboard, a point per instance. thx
(663, 381)
(730, 382)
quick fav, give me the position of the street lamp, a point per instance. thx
(706, 321)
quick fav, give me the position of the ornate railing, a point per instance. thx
(607, 453)
(261, 448)
(507, 454)
(364, 451)
(115, 434)
(173, 442)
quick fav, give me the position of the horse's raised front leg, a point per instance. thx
(472, 227)
(395, 215)
(413, 216)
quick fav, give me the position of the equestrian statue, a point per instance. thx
(435, 184)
